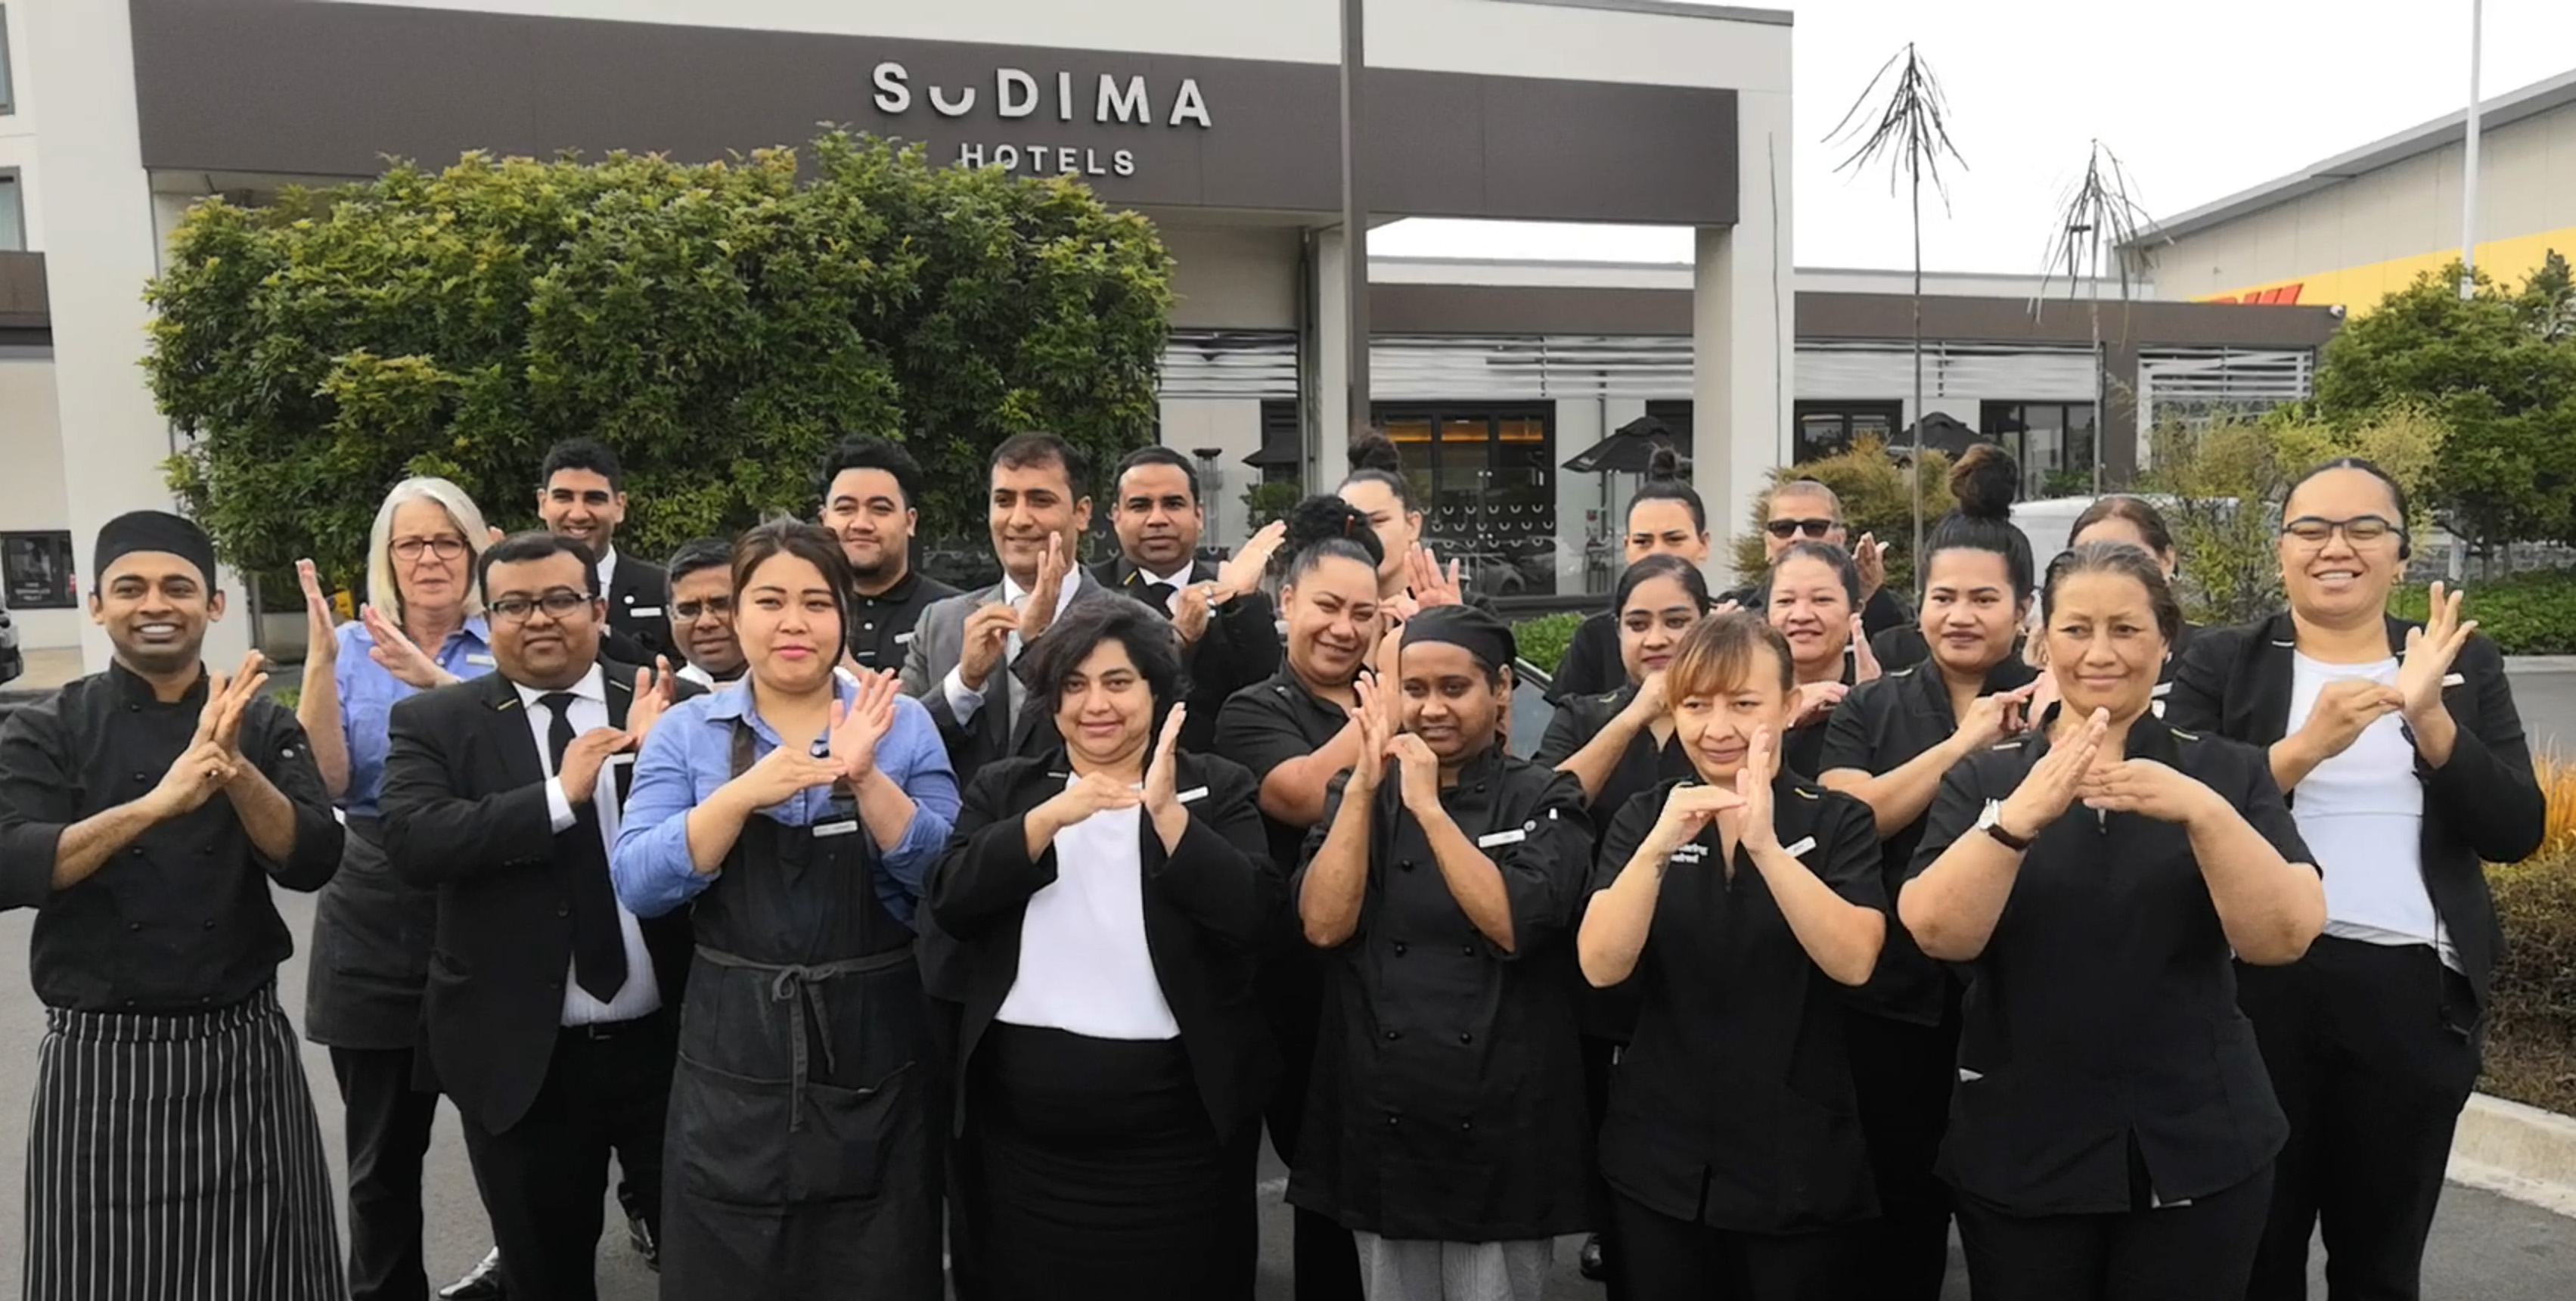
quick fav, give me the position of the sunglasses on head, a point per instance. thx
(1787, 528)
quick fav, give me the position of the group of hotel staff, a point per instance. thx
(891, 939)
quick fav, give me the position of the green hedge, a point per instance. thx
(2531, 1037)
(1543, 640)
(2527, 614)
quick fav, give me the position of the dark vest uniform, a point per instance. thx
(802, 1159)
(1447, 1102)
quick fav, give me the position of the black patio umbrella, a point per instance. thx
(1627, 450)
(1942, 432)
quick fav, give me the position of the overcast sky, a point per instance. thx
(2199, 98)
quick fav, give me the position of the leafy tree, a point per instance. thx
(718, 324)
(1878, 497)
(2498, 371)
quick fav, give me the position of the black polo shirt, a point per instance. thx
(1271, 722)
(881, 625)
(1591, 666)
(1733, 1105)
(181, 920)
(1881, 727)
(2102, 1055)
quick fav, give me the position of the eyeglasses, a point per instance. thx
(557, 603)
(714, 607)
(1813, 528)
(440, 548)
(2360, 530)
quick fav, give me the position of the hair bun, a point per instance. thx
(1663, 465)
(1985, 481)
(1373, 450)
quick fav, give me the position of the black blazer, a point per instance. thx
(1208, 908)
(464, 808)
(1240, 647)
(639, 613)
(2484, 806)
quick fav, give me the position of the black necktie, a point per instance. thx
(1159, 596)
(598, 942)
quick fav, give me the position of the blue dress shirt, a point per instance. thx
(690, 754)
(368, 693)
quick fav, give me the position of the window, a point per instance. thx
(1828, 428)
(8, 84)
(1486, 476)
(2052, 441)
(13, 214)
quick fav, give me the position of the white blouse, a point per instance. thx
(2362, 814)
(1084, 966)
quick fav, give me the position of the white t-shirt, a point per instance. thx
(2362, 814)
(1084, 965)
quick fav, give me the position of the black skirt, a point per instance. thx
(1095, 1172)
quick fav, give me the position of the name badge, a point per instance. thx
(648, 611)
(1804, 844)
(2448, 680)
(1193, 793)
(826, 829)
(1967, 1076)
(1512, 837)
(481, 660)
(2162, 689)
(1691, 853)
(902, 638)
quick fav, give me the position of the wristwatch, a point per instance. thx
(1991, 822)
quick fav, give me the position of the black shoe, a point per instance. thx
(481, 1283)
(639, 1235)
(1589, 1260)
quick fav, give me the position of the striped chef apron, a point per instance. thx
(176, 1158)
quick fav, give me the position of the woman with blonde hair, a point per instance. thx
(421, 627)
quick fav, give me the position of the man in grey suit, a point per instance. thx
(963, 650)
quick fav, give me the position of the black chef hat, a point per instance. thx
(153, 530)
(1487, 638)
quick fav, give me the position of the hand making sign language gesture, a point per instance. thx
(1865, 665)
(2053, 783)
(656, 690)
(1052, 572)
(213, 759)
(1163, 806)
(2431, 650)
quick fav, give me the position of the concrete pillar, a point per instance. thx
(103, 242)
(1743, 331)
(1578, 496)
(1327, 406)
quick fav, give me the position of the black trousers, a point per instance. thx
(1661, 1257)
(607, 1090)
(1599, 1055)
(2196, 1252)
(1326, 1259)
(1902, 1075)
(2364, 1056)
(387, 1122)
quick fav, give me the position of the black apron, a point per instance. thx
(371, 941)
(801, 1157)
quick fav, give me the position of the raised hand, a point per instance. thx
(1375, 734)
(2145, 786)
(1428, 584)
(201, 770)
(988, 633)
(583, 759)
(1869, 556)
(1386, 659)
(655, 691)
(1419, 770)
(2430, 652)
(1865, 665)
(320, 643)
(1649, 703)
(1817, 699)
(395, 652)
(1753, 792)
(2345, 709)
(1687, 812)
(1162, 772)
(228, 700)
(1088, 795)
(782, 775)
(1998, 717)
(1192, 606)
(1243, 572)
(2051, 785)
(1052, 572)
(857, 727)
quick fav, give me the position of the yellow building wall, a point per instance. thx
(2359, 289)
